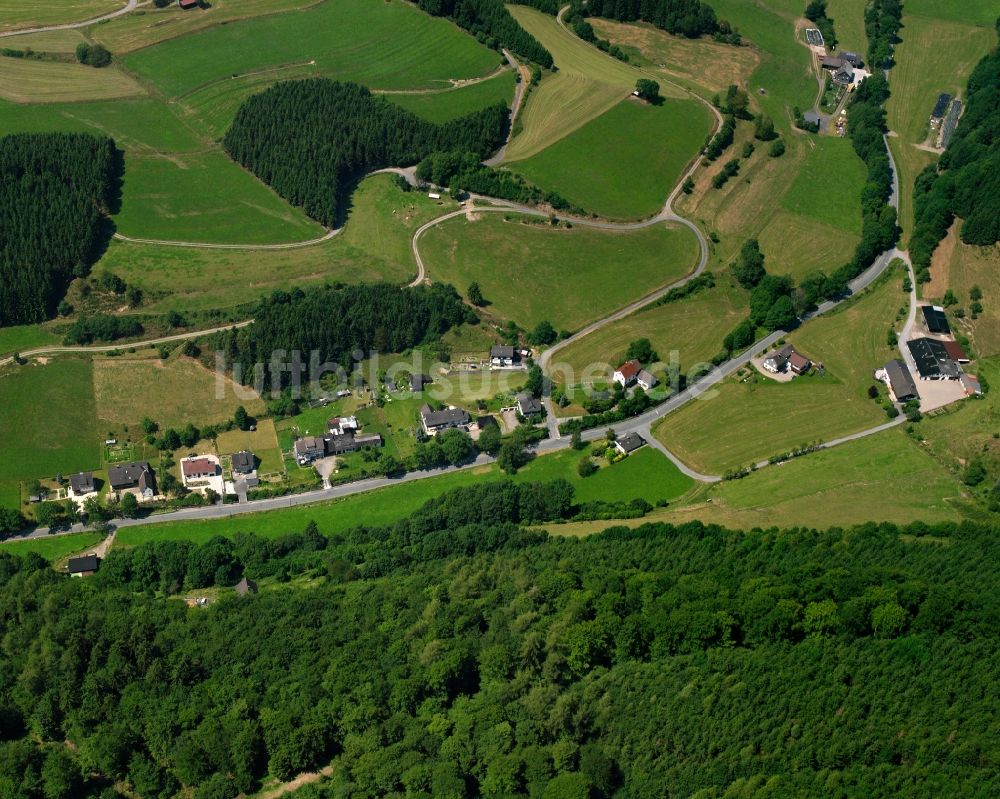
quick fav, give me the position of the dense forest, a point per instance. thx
(966, 181)
(311, 140)
(691, 18)
(54, 191)
(491, 23)
(330, 323)
(454, 654)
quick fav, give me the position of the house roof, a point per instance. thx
(197, 466)
(127, 475)
(630, 442)
(797, 361)
(955, 351)
(528, 405)
(831, 62)
(449, 416)
(850, 57)
(81, 483)
(308, 445)
(85, 563)
(629, 369)
(971, 384)
(935, 319)
(243, 461)
(501, 351)
(900, 380)
(844, 74)
(482, 422)
(941, 105)
(245, 586)
(931, 358)
(417, 382)
(646, 377)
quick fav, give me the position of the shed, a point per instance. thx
(935, 319)
(83, 566)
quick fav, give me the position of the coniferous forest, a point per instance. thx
(54, 191)
(311, 140)
(455, 654)
(691, 18)
(336, 321)
(966, 181)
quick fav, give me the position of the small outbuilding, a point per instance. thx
(935, 319)
(629, 443)
(646, 380)
(83, 566)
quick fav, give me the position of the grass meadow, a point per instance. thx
(205, 197)
(23, 337)
(48, 424)
(57, 41)
(443, 106)
(530, 272)
(52, 548)
(385, 45)
(26, 80)
(15, 15)
(634, 154)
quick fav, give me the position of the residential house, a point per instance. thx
(136, 475)
(935, 319)
(528, 405)
(245, 586)
(626, 374)
(244, 462)
(646, 380)
(503, 355)
(435, 421)
(777, 360)
(799, 364)
(629, 443)
(897, 377)
(198, 468)
(83, 566)
(308, 449)
(844, 75)
(349, 441)
(852, 58)
(932, 360)
(81, 484)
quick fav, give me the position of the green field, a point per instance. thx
(797, 245)
(828, 187)
(25, 80)
(447, 105)
(849, 21)
(386, 45)
(752, 420)
(15, 15)
(974, 12)
(374, 245)
(48, 424)
(650, 476)
(205, 197)
(530, 272)
(23, 337)
(57, 41)
(634, 155)
(54, 547)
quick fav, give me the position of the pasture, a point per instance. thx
(849, 21)
(171, 392)
(796, 245)
(48, 424)
(387, 45)
(53, 547)
(22, 337)
(205, 197)
(631, 178)
(57, 41)
(443, 106)
(374, 245)
(16, 15)
(529, 271)
(828, 186)
(25, 80)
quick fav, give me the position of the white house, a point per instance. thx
(626, 374)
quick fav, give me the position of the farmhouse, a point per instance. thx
(83, 566)
(777, 360)
(831, 62)
(198, 468)
(899, 380)
(244, 462)
(629, 443)
(852, 58)
(935, 319)
(844, 75)
(308, 449)
(245, 586)
(932, 361)
(349, 442)
(799, 364)
(528, 405)
(646, 380)
(434, 421)
(137, 475)
(626, 374)
(81, 484)
(502, 355)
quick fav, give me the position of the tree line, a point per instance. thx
(334, 322)
(455, 654)
(311, 140)
(492, 24)
(965, 183)
(691, 18)
(55, 189)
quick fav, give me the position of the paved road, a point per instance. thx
(192, 334)
(70, 25)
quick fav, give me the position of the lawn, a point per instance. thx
(828, 187)
(205, 197)
(530, 272)
(48, 424)
(374, 245)
(172, 392)
(689, 331)
(652, 146)
(587, 83)
(15, 15)
(651, 474)
(54, 547)
(25, 80)
(453, 103)
(390, 45)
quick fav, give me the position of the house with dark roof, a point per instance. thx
(308, 449)
(349, 441)
(852, 58)
(629, 443)
(626, 374)
(136, 475)
(482, 422)
(435, 421)
(81, 484)
(940, 106)
(831, 62)
(83, 566)
(844, 75)
(245, 586)
(932, 361)
(503, 355)
(899, 380)
(418, 382)
(935, 319)
(777, 360)
(244, 462)
(528, 405)
(799, 364)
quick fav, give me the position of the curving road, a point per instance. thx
(294, 245)
(70, 25)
